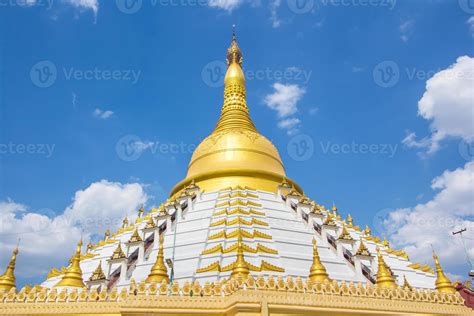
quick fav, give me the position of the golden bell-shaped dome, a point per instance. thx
(235, 153)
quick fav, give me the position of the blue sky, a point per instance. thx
(79, 76)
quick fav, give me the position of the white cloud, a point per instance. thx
(290, 124)
(227, 5)
(284, 101)
(48, 240)
(102, 114)
(85, 4)
(448, 103)
(406, 29)
(432, 223)
(470, 21)
(92, 5)
(274, 5)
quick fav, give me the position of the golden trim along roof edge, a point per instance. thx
(253, 175)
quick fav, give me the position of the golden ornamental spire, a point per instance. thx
(235, 153)
(98, 273)
(384, 275)
(150, 224)
(363, 250)
(7, 279)
(345, 235)
(118, 253)
(234, 113)
(406, 285)
(350, 221)
(240, 267)
(317, 271)
(73, 275)
(135, 237)
(90, 246)
(443, 284)
(159, 272)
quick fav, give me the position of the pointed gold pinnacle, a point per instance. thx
(7, 279)
(318, 271)
(384, 275)
(443, 284)
(240, 268)
(159, 272)
(73, 275)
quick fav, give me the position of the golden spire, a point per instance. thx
(159, 272)
(240, 267)
(73, 275)
(235, 153)
(150, 223)
(367, 230)
(362, 251)
(98, 273)
(118, 253)
(234, 113)
(141, 210)
(329, 220)
(443, 284)
(406, 285)
(350, 221)
(384, 275)
(107, 234)
(90, 246)
(317, 271)
(125, 222)
(345, 234)
(135, 236)
(7, 279)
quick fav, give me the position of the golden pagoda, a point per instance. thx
(159, 272)
(73, 275)
(238, 243)
(384, 274)
(443, 284)
(318, 272)
(7, 279)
